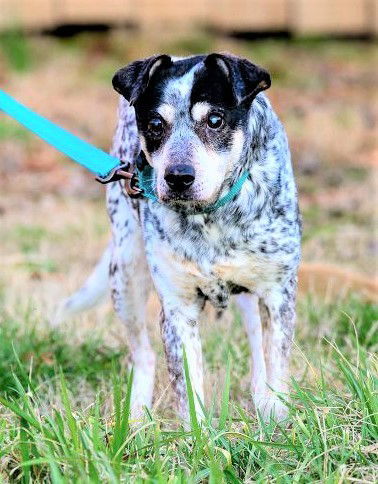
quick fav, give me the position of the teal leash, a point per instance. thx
(103, 165)
(145, 183)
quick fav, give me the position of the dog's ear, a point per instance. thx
(246, 79)
(131, 81)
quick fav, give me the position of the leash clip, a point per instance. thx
(121, 173)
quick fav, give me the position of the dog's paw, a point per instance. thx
(270, 407)
(137, 414)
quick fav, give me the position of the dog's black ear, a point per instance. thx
(246, 79)
(131, 81)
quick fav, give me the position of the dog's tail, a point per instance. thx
(94, 290)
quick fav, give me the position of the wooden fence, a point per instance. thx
(310, 17)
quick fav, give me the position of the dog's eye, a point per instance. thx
(215, 120)
(156, 127)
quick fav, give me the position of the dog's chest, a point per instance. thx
(237, 273)
(216, 261)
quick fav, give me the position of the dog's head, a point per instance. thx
(192, 117)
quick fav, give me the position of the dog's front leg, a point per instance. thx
(130, 284)
(179, 329)
(278, 337)
(249, 306)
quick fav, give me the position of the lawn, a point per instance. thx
(64, 392)
(65, 404)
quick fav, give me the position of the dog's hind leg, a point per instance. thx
(93, 291)
(130, 284)
(249, 307)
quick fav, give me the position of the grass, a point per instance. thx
(13, 131)
(16, 49)
(49, 434)
(26, 348)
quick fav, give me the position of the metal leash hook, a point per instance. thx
(121, 173)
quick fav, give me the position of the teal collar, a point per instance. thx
(145, 183)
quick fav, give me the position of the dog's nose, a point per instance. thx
(179, 177)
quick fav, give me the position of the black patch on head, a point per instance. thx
(229, 84)
(229, 81)
(211, 85)
(245, 78)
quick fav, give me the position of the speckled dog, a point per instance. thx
(201, 122)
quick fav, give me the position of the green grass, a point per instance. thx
(26, 347)
(9, 129)
(15, 47)
(190, 44)
(353, 320)
(29, 237)
(48, 434)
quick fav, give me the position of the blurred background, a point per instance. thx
(59, 57)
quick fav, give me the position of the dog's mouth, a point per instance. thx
(186, 203)
(181, 202)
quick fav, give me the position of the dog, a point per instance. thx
(201, 122)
